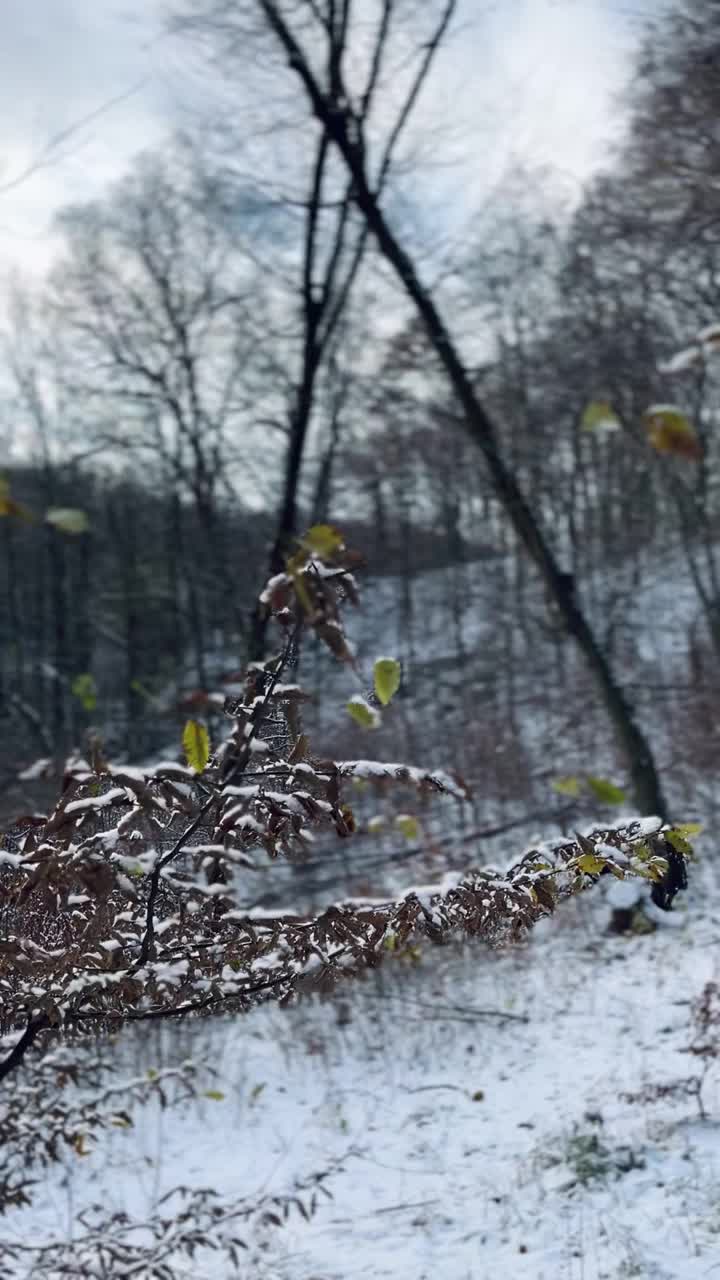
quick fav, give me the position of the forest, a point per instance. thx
(359, 680)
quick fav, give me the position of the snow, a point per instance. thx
(10, 859)
(378, 770)
(439, 1181)
(710, 334)
(657, 410)
(682, 360)
(35, 770)
(625, 894)
(98, 802)
(270, 587)
(475, 1102)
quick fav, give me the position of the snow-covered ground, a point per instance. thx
(475, 1102)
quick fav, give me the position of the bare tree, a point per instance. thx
(156, 301)
(327, 255)
(320, 44)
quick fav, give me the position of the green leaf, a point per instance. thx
(215, 1095)
(375, 825)
(606, 792)
(408, 825)
(590, 865)
(362, 713)
(599, 415)
(322, 540)
(197, 745)
(386, 679)
(567, 786)
(688, 829)
(678, 841)
(84, 689)
(644, 873)
(641, 852)
(68, 519)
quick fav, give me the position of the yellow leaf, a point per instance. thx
(678, 841)
(408, 825)
(386, 679)
(670, 431)
(323, 541)
(214, 1095)
(599, 415)
(83, 686)
(363, 714)
(590, 865)
(567, 786)
(197, 745)
(295, 566)
(9, 507)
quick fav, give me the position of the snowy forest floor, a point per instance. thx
(475, 1103)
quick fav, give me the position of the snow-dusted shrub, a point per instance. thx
(124, 904)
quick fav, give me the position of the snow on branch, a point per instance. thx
(125, 903)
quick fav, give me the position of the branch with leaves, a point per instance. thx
(125, 903)
(188, 1222)
(126, 851)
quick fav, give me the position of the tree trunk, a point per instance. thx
(645, 780)
(288, 515)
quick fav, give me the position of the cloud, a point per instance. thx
(533, 83)
(67, 63)
(531, 80)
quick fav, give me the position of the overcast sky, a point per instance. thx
(528, 78)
